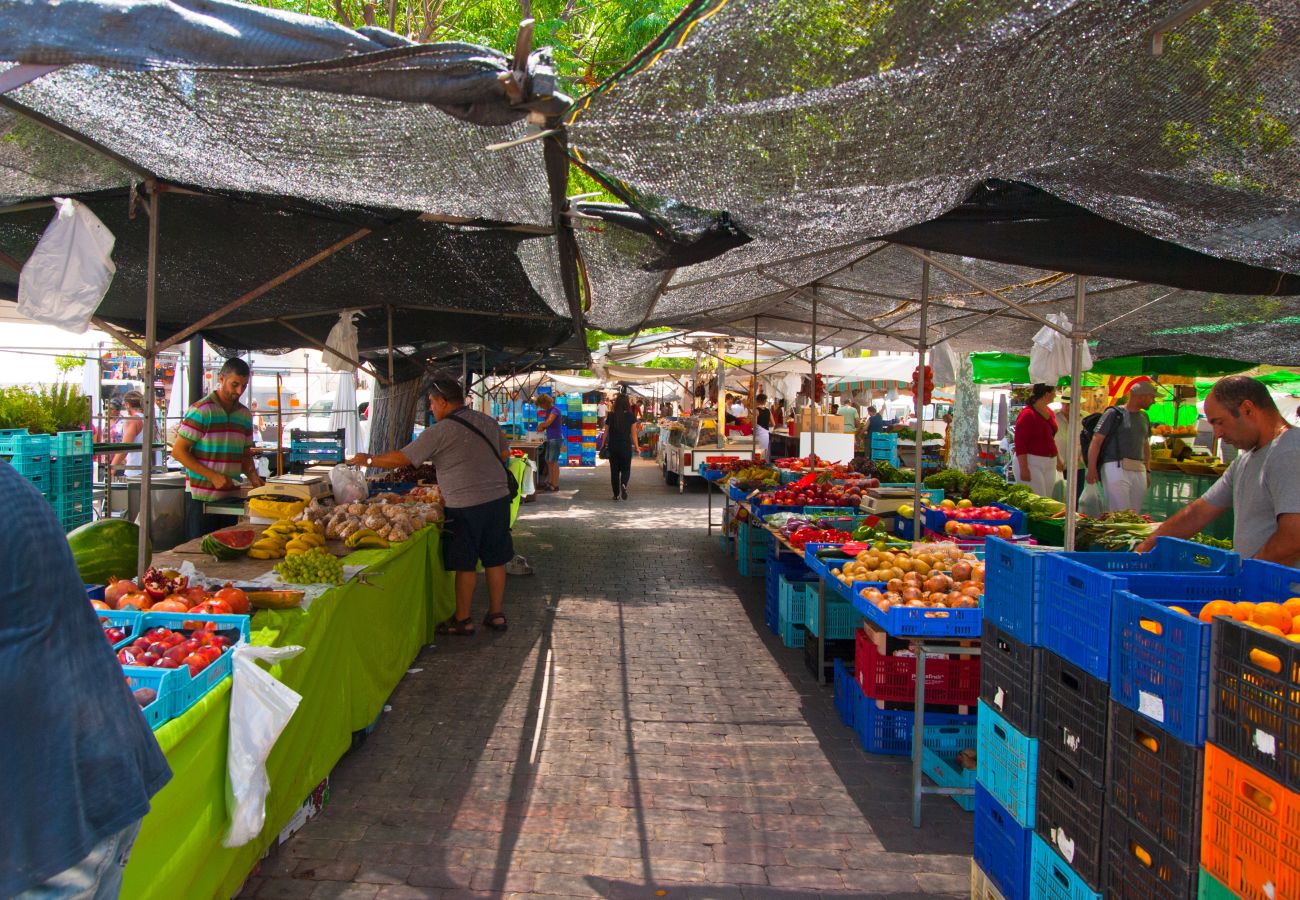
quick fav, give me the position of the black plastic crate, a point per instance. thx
(1072, 712)
(1069, 815)
(1155, 780)
(1009, 675)
(1138, 867)
(835, 649)
(1255, 699)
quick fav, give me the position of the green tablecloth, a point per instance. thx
(518, 465)
(359, 642)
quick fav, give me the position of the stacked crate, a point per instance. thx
(590, 432)
(29, 454)
(71, 477)
(789, 587)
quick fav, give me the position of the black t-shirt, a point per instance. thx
(765, 418)
(618, 431)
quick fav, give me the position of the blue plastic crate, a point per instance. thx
(754, 541)
(168, 683)
(1001, 846)
(126, 619)
(73, 444)
(1051, 878)
(792, 635)
(1007, 765)
(20, 443)
(889, 731)
(845, 689)
(842, 617)
(794, 596)
(1077, 623)
(1013, 584)
(918, 621)
(1160, 658)
(945, 770)
(195, 687)
(936, 519)
(772, 613)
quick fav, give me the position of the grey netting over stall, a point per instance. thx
(1050, 137)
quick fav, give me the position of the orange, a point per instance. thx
(1274, 614)
(1293, 604)
(1293, 636)
(1215, 608)
(1180, 609)
(1295, 625)
(1270, 629)
(1241, 611)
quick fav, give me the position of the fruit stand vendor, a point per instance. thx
(214, 442)
(1261, 484)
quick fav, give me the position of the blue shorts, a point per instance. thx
(553, 450)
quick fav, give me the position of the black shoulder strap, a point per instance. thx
(496, 451)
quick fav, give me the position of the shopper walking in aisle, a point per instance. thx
(470, 453)
(618, 441)
(1063, 438)
(552, 429)
(763, 424)
(80, 762)
(1120, 453)
(1035, 449)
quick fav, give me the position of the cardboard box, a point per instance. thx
(825, 423)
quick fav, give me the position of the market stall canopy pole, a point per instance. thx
(1077, 338)
(150, 354)
(919, 438)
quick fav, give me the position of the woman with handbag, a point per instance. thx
(1035, 442)
(618, 447)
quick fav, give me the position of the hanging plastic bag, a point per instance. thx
(260, 708)
(348, 485)
(1058, 490)
(342, 340)
(70, 270)
(1051, 357)
(943, 363)
(1090, 501)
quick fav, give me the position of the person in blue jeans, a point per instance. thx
(80, 762)
(550, 426)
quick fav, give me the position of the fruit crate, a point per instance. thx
(792, 634)
(1077, 624)
(71, 478)
(194, 687)
(72, 445)
(981, 886)
(1209, 888)
(1250, 830)
(883, 675)
(845, 690)
(946, 770)
(169, 685)
(1049, 532)
(1009, 676)
(1154, 779)
(1001, 847)
(919, 621)
(1007, 765)
(1013, 583)
(1073, 712)
(1256, 699)
(126, 619)
(1138, 867)
(842, 618)
(1160, 658)
(1051, 879)
(833, 650)
(1070, 814)
(886, 730)
(935, 519)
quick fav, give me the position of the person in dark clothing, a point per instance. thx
(618, 439)
(763, 424)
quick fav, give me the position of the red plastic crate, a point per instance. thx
(882, 676)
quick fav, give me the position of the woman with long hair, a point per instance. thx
(1035, 447)
(618, 441)
(550, 426)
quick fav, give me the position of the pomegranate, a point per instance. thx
(137, 601)
(100, 604)
(174, 603)
(117, 589)
(192, 596)
(212, 608)
(233, 597)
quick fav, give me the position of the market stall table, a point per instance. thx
(358, 641)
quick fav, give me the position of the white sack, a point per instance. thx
(70, 270)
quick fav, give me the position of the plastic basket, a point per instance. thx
(754, 541)
(1250, 832)
(886, 676)
(1050, 532)
(1009, 673)
(20, 443)
(1073, 714)
(1209, 888)
(772, 612)
(1155, 780)
(792, 634)
(1256, 714)
(1001, 847)
(1077, 624)
(1069, 815)
(917, 621)
(936, 519)
(842, 618)
(793, 597)
(196, 686)
(845, 689)
(1007, 765)
(168, 683)
(981, 886)
(1013, 576)
(1139, 867)
(72, 444)
(1051, 879)
(72, 478)
(946, 770)
(889, 731)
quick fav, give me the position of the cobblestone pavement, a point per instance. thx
(684, 753)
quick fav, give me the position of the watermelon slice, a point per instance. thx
(229, 544)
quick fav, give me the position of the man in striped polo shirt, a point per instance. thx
(214, 443)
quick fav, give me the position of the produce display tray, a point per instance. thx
(1013, 583)
(1001, 846)
(918, 621)
(936, 519)
(189, 689)
(169, 684)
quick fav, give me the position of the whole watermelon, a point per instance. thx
(106, 549)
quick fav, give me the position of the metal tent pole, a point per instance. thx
(150, 341)
(812, 431)
(753, 398)
(722, 397)
(1077, 337)
(919, 399)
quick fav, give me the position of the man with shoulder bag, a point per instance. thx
(1119, 455)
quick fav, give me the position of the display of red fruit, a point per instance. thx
(192, 596)
(196, 663)
(117, 589)
(168, 663)
(233, 597)
(177, 653)
(214, 607)
(114, 635)
(174, 603)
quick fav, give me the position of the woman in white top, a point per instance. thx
(131, 429)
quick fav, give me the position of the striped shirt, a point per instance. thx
(220, 439)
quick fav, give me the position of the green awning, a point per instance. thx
(1011, 368)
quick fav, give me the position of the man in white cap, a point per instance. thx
(1120, 452)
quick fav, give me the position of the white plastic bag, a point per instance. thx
(1051, 356)
(1090, 501)
(348, 484)
(260, 707)
(342, 339)
(943, 363)
(70, 270)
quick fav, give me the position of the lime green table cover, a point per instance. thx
(518, 465)
(359, 641)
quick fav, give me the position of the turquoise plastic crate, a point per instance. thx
(193, 688)
(73, 444)
(793, 597)
(1051, 878)
(168, 683)
(1007, 765)
(842, 618)
(792, 635)
(754, 541)
(945, 771)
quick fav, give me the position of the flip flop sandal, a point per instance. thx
(462, 627)
(496, 621)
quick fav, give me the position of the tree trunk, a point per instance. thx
(963, 452)
(392, 414)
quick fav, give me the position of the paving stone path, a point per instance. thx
(683, 753)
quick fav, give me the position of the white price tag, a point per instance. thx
(1152, 706)
(1265, 743)
(1070, 740)
(998, 697)
(1269, 891)
(1065, 845)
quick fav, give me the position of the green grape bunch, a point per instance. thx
(316, 566)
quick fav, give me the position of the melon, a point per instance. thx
(227, 545)
(106, 548)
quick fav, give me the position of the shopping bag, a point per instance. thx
(70, 270)
(348, 485)
(260, 708)
(343, 340)
(1090, 501)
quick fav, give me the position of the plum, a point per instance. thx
(145, 696)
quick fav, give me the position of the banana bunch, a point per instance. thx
(287, 538)
(366, 539)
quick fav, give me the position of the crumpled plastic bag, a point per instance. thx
(1051, 357)
(70, 270)
(348, 484)
(342, 339)
(260, 708)
(1091, 503)
(944, 363)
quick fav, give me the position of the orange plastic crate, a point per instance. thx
(1250, 831)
